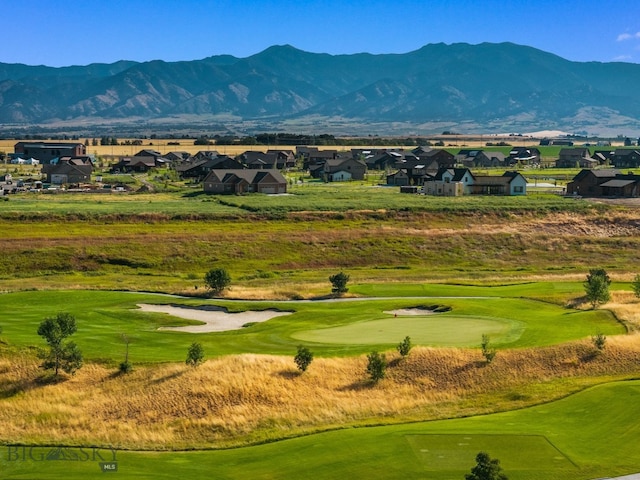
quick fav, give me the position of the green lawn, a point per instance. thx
(103, 317)
(439, 329)
(571, 439)
(335, 197)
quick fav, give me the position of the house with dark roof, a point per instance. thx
(449, 182)
(199, 169)
(177, 156)
(47, 151)
(320, 156)
(576, 157)
(461, 181)
(134, 164)
(206, 154)
(413, 174)
(384, 159)
(148, 152)
(605, 183)
(439, 155)
(466, 156)
(625, 158)
(486, 159)
(68, 171)
(260, 160)
(524, 156)
(245, 181)
(621, 186)
(602, 156)
(588, 182)
(400, 178)
(343, 169)
(288, 157)
(509, 183)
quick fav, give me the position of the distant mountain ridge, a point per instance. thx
(501, 86)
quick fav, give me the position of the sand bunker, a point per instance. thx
(215, 319)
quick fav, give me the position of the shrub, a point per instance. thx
(376, 366)
(404, 347)
(339, 283)
(195, 355)
(303, 358)
(599, 340)
(217, 279)
(125, 367)
(488, 352)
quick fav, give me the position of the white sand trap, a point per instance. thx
(411, 311)
(214, 319)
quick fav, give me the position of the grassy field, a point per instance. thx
(289, 245)
(512, 268)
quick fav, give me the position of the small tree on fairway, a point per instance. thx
(303, 358)
(635, 285)
(488, 352)
(404, 347)
(486, 469)
(61, 355)
(217, 279)
(596, 287)
(376, 366)
(339, 283)
(195, 355)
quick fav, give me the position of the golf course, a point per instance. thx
(507, 354)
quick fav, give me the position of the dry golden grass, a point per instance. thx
(162, 146)
(249, 398)
(626, 306)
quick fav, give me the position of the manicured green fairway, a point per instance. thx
(436, 329)
(443, 454)
(576, 438)
(103, 317)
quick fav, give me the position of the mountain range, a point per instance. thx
(469, 88)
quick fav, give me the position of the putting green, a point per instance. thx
(433, 329)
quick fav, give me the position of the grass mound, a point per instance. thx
(239, 399)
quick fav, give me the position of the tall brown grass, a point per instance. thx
(249, 398)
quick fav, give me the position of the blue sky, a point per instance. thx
(79, 32)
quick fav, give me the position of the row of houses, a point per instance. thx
(431, 171)
(582, 158)
(430, 158)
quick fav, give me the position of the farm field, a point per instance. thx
(510, 268)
